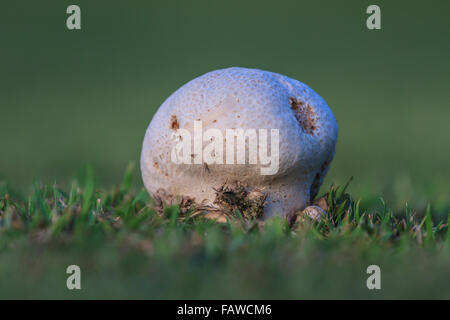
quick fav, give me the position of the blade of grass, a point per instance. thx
(428, 225)
(88, 192)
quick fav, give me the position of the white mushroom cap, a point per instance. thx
(248, 99)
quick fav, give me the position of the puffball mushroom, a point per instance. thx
(248, 99)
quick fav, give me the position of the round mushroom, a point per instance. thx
(292, 126)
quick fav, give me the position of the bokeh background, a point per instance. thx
(73, 98)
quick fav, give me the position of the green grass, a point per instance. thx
(127, 250)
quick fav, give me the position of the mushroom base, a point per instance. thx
(252, 202)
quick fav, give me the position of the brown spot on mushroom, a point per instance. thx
(174, 125)
(214, 121)
(304, 114)
(155, 165)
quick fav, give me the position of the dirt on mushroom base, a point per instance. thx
(231, 200)
(235, 196)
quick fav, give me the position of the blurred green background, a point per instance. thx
(72, 98)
